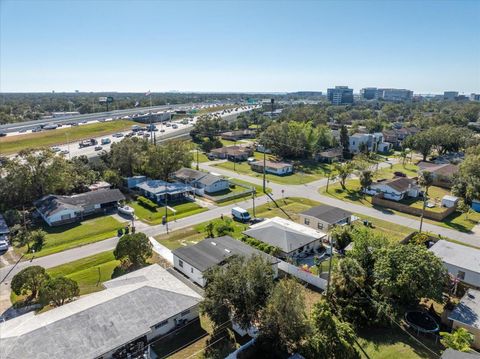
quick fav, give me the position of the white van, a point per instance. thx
(240, 214)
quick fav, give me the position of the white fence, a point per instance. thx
(301, 274)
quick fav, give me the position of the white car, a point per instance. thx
(3, 245)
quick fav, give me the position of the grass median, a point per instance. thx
(13, 144)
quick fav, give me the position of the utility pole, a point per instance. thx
(253, 200)
(264, 165)
(197, 158)
(330, 265)
(166, 207)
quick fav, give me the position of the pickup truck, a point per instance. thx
(86, 143)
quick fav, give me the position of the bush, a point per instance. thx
(147, 203)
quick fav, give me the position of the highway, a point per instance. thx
(14, 128)
(164, 132)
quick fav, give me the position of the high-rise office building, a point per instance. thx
(368, 93)
(450, 95)
(340, 95)
(394, 94)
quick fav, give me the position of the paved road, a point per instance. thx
(310, 190)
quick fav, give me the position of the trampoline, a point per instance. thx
(421, 322)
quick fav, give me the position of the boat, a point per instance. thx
(127, 210)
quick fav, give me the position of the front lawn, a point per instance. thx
(89, 272)
(304, 173)
(74, 235)
(155, 216)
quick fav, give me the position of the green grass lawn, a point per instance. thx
(13, 144)
(458, 221)
(387, 172)
(392, 343)
(304, 174)
(77, 234)
(89, 272)
(153, 217)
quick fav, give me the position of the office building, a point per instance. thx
(340, 95)
(394, 94)
(475, 97)
(368, 93)
(450, 95)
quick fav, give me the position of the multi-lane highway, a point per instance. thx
(165, 130)
(12, 128)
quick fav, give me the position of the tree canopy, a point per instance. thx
(58, 291)
(133, 250)
(29, 281)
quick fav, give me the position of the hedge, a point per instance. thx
(145, 202)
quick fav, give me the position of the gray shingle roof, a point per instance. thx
(50, 204)
(455, 354)
(189, 175)
(327, 213)
(284, 234)
(214, 251)
(100, 322)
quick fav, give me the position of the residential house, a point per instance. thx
(57, 210)
(462, 262)
(232, 153)
(237, 135)
(442, 173)
(365, 142)
(193, 261)
(202, 182)
(331, 155)
(273, 167)
(117, 322)
(290, 237)
(99, 185)
(133, 181)
(395, 189)
(396, 136)
(161, 191)
(467, 315)
(455, 354)
(324, 217)
(384, 147)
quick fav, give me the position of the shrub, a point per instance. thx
(147, 203)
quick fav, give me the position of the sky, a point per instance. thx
(239, 46)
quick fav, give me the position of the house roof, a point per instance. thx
(272, 164)
(191, 175)
(400, 184)
(332, 152)
(327, 213)
(468, 310)
(98, 323)
(52, 204)
(458, 255)
(284, 234)
(159, 187)
(214, 251)
(445, 169)
(232, 150)
(455, 354)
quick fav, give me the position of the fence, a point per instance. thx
(436, 216)
(219, 199)
(302, 275)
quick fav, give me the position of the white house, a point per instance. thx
(462, 262)
(57, 210)
(467, 315)
(202, 182)
(116, 322)
(395, 189)
(290, 237)
(324, 217)
(193, 261)
(369, 141)
(276, 168)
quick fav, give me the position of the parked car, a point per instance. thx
(240, 214)
(3, 245)
(98, 148)
(64, 152)
(105, 141)
(174, 126)
(56, 149)
(399, 174)
(119, 134)
(2, 134)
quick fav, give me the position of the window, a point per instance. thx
(161, 324)
(320, 225)
(180, 263)
(307, 221)
(461, 275)
(185, 312)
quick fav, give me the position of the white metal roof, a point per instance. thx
(458, 255)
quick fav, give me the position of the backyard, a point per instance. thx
(154, 216)
(76, 234)
(13, 144)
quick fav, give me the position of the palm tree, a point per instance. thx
(343, 170)
(404, 154)
(365, 180)
(425, 180)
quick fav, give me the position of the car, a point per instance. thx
(175, 126)
(23, 130)
(140, 133)
(98, 148)
(2, 134)
(399, 174)
(168, 124)
(162, 130)
(146, 135)
(119, 134)
(56, 149)
(37, 129)
(3, 245)
(64, 152)
(105, 141)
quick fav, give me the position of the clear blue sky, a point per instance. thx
(426, 46)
